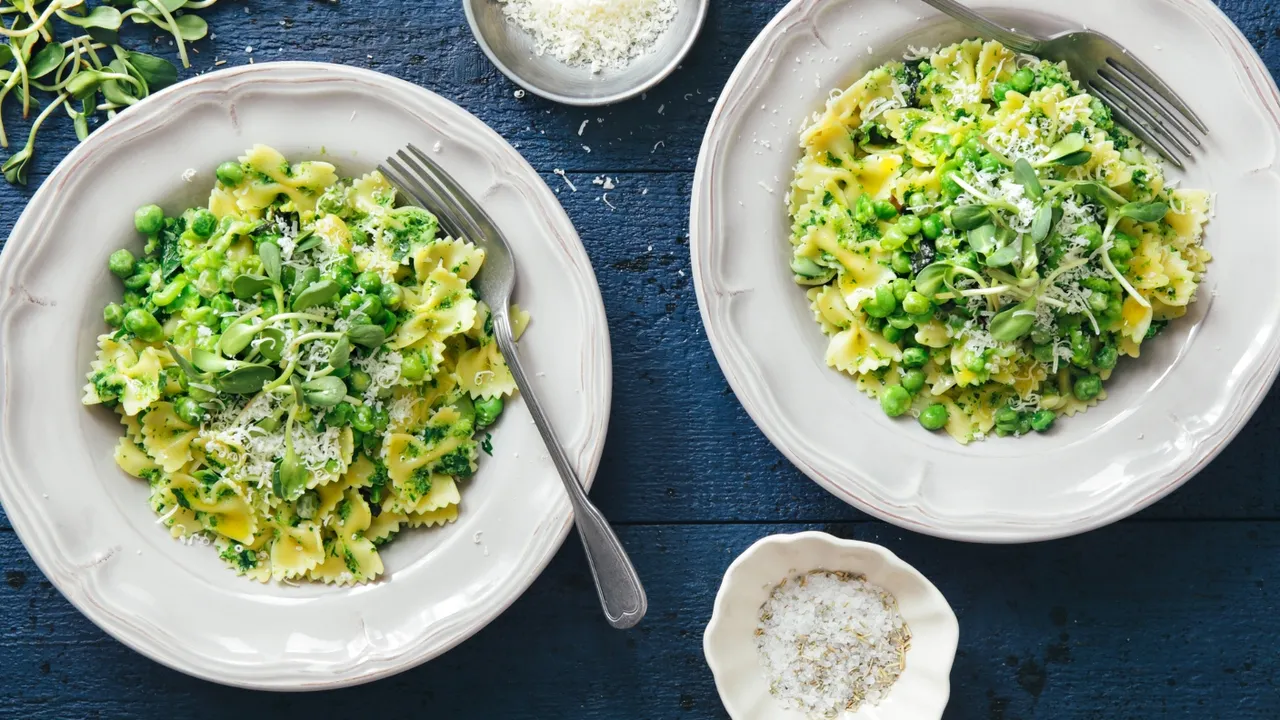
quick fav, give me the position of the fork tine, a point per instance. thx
(425, 194)
(1138, 72)
(473, 210)
(1152, 104)
(1139, 121)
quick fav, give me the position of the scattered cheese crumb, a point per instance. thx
(558, 171)
(189, 174)
(519, 94)
(582, 127)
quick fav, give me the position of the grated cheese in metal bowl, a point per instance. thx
(830, 642)
(601, 34)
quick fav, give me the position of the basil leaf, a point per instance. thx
(306, 240)
(371, 336)
(245, 380)
(983, 239)
(929, 280)
(191, 370)
(272, 345)
(968, 217)
(271, 260)
(1005, 255)
(46, 61)
(1145, 212)
(341, 353)
(1075, 158)
(209, 362)
(1042, 223)
(191, 27)
(324, 392)
(237, 337)
(1027, 178)
(317, 293)
(1014, 323)
(247, 286)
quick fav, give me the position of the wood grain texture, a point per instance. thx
(1169, 615)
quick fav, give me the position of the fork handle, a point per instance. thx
(621, 594)
(1021, 42)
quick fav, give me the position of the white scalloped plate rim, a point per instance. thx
(919, 694)
(311, 637)
(749, 148)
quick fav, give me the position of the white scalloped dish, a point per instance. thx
(1167, 414)
(88, 525)
(920, 693)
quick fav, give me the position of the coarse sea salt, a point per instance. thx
(830, 642)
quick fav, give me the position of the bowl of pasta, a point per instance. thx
(292, 420)
(1001, 296)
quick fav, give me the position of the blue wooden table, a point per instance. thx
(1174, 613)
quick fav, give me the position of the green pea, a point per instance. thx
(1121, 248)
(230, 173)
(344, 277)
(488, 410)
(200, 395)
(883, 304)
(349, 303)
(269, 307)
(144, 325)
(1093, 234)
(412, 368)
(942, 146)
(989, 163)
(895, 401)
(864, 209)
(113, 314)
(363, 419)
(976, 363)
(1087, 387)
(381, 419)
(1043, 420)
(137, 281)
(875, 324)
(901, 263)
(339, 415)
(902, 321)
(203, 223)
(932, 226)
(148, 219)
(885, 210)
(1043, 353)
(909, 224)
(370, 305)
(968, 155)
(893, 238)
(307, 504)
(388, 322)
(1041, 337)
(121, 263)
(1000, 92)
(189, 411)
(370, 282)
(1098, 302)
(914, 357)
(950, 187)
(1023, 80)
(893, 334)
(913, 381)
(917, 200)
(1106, 357)
(1081, 348)
(359, 381)
(935, 417)
(901, 286)
(924, 317)
(392, 296)
(915, 303)
(1024, 423)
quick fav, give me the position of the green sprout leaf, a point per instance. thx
(1145, 212)
(272, 345)
(1026, 176)
(247, 286)
(192, 27)
(371, 336)
(324, 392)
(156, 72)
(185, 364)
(271, 260)
(930, 280)
(317, 293)
(1042, 223)
(983, 239)
(1068, 145)
(1075, 158)
(1005, 255)
(305, 241)
(341, 353)
(237, 337)
(102, 16)
(209, 362)
(46, 61)
(1014, 323)
(245, 380)
(968, 217)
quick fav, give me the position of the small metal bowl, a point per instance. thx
(511, 49)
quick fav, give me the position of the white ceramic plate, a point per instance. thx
(1167, 415)
(920, 693)
(87, 524)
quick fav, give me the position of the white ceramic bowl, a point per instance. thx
(920, 693)
(1167, 414)
(87, 524)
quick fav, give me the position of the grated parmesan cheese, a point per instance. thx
(600, 34)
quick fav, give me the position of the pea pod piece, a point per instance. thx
(247, 286)
(325, 392)
(245, 380)
(1014, 323)
(317, 293)
(370, 336)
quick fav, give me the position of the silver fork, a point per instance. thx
(427, 184)
(1141, 101)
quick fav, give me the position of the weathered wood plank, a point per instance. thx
(1145, 619)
